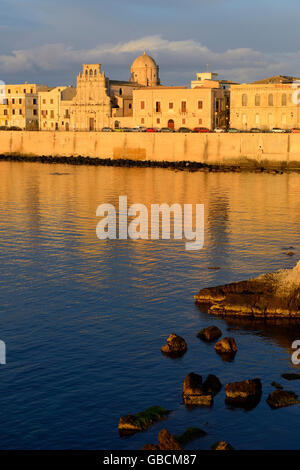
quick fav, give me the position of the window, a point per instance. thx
(183, 106)
(283, 99)
(270, 100)
(20, 112)
(171, 105)
(257, 100)
(31, 90)
(120, 92)
(20, 100)
(200, 121)
(200, 104)
(157, 121)
(35, 112)
(34, 101)
(8, 91)
(13, 101)
(24, 91)
(183, 121)
(142, 121)
(130, 106)
(5, 112)
(52, 115)
(51, 101)
(244, 100)
(142, 104)
(157, 107)
(91, 72)
(14, 111)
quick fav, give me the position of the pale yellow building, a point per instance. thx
(265, 104)
(145, 71)
(19, 106)
(52, 112)
(206, 104)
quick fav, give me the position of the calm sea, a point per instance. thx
(83, 319)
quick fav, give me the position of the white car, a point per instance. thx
(278, 129)
(219, 129)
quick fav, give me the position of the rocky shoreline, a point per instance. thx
(272, 295)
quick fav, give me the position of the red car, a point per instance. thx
(151, 129)
(201, 129)
(296, 130)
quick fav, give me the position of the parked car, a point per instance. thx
(232, 129)
(126, 129)
(138, 129)
(166, 129)
(4, 128)
(295, 130)
(151, 129)
(106, 129)
(255, 129)
(278, 130)
(201, 129)
(184, 129)
(219, 129)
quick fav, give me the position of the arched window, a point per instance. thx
(120, 92)
(86, 73)
(95, 73)
(244, 100)
(91, 72)
(257, 100)
(270, 100)
(283, 99)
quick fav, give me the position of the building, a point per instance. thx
(265, 104)
(20, 107)
(145, 71)
(205, 104)
(52, 112)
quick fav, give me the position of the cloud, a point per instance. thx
(182, 58)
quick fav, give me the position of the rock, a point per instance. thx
(290, 253)
(195, 392)
(189, 435)
(281, 398)
(277, 385)
(226, 346)
(212, 385)
(129, 424)
(291, 376)
(150, 447)
(176, 346)
(222, 445)
(210, 333)
(239, 393)
(167, 441)
(272, 295)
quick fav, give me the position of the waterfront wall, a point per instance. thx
(261, 149)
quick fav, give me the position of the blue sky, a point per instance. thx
(46, 41)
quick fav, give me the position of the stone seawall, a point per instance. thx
(241, 149)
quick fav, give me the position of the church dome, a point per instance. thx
(145, 71)
(144, 60)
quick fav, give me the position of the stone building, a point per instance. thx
(265, 104)
(19, 105)
(206, 104)
(52, 113)
(145, 71)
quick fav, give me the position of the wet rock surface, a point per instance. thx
(130, 424)
(222, 445)
(176, 346)
(189, 435)
(210, 333)
(197, 392)
(226, 346)
(247, 392)
(272, 295)
(166, 442)
(282, 398)
(291, 376)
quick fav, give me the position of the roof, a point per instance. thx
(144, 60)
(276, 79)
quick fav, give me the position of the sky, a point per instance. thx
(47, 41)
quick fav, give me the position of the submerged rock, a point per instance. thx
(291, 376)
(222, 445)
(130, 424)
(176, 346)
(281, 398)
(226, 346)
(277, 385)
(197, 392)
(273, 295)
(210, 333)
(189, 435)
(246, 392)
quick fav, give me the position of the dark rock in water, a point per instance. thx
(291, 376)
(194, 392)
(222, 445)
(216, 268)
(245, 392)
(281, 398)
(277, 385)
(212, 385)
(274, 295)
(189, 435)
(226, 346)
(150, 447)
(176, 346)
(167, 441)
(210, 333)
(130, 424)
